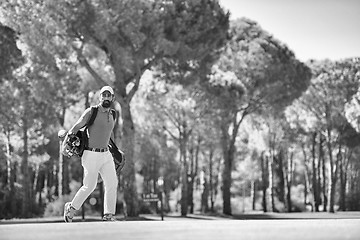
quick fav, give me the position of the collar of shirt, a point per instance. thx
(105, 110)
(102, 109)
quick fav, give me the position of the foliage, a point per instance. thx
(10, 54)
(208, 117)
(255, 74)
(333, 87)
(132, 36)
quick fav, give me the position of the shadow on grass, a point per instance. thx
(275, 216)
(60, 220)
(212, 216)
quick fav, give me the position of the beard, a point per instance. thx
(106, 103)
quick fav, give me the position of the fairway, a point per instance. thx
(188, 229)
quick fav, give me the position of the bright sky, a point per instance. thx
(312, 29)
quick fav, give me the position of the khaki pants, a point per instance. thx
(93, 164)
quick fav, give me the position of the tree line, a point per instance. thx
(216, 108)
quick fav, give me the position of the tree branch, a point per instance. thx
(9, 119)
(172, 135)
(237, 126)
(171, 118)
(84, 62)
(137, 77)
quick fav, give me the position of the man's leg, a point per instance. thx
(109, 176)
(91, 168)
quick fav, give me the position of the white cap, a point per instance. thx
(107, 88)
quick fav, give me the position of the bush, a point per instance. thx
(56, 208)
(353, 202)
(10, 207)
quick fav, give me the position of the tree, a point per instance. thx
(24, 111)
(60, 81)
(157, 154)
(132, 36)
(335, 85)
(254, 72)
(11, 56)
(323, 105)
(177, 113)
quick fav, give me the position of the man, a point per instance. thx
(96, 157)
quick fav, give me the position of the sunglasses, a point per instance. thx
(106, 94)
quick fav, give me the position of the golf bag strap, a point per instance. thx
(113, 143)
(94, 111)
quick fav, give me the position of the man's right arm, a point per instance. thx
(81, 122)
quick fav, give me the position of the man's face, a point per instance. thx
(106, 99)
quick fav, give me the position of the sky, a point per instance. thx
(312, 29)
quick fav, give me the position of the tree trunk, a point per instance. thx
(228, 160)
(60, 173)
(216, 184)
(13, 204)
(264, 176)
(36, 178)
(344, 179)
(333, 178)
(8, 158)
(128, 143)
(191, 180)
(307, 180)
(253, 195)
(229, 130)
(11, 175)
(228, 153)
(282, 170)
(52, 180)
(332, 194)
(354, 187)
(66, 176)
(87, 99)
(342, 206)
(211, 180)
(289, 179)
(63, 183)
(306, 189)
(205, 193)
(322, 160)
(25, 210)
(184, 181)
(314, 175)
(271, 183)
(194, 156)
